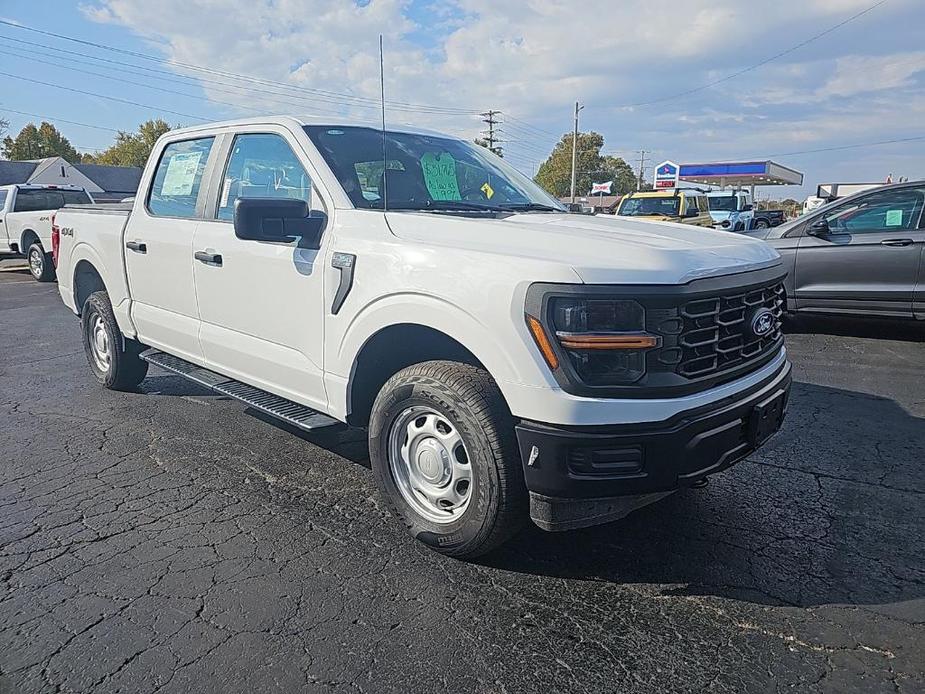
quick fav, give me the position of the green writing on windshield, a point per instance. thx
(440, 176)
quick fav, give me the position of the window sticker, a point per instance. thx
(226, 192)
(440, 176)
(488, 190)
(894, 218)
(181, 174)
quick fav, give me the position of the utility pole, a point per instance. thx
(578, 108)
(642, 167)
(489, 117)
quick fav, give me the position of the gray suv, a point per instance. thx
(864, 254)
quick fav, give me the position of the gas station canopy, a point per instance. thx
(741, 173)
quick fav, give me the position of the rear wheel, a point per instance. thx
(41, 264)
(762, 224)
(113, 358)
(442, 446)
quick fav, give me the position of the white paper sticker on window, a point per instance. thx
(181, 174)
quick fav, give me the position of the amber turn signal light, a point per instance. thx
(542, 341)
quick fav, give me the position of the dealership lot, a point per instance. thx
(170, 540)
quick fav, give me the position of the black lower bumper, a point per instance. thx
(581, 476)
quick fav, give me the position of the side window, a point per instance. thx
(262, 166)
(883, 211)
(177, 178)
(31, 200)
(2, 199)
(692, 205)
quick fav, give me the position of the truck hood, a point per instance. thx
(601, 250)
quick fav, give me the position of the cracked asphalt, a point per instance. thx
(170, 540)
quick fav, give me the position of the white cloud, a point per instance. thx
(533, 58)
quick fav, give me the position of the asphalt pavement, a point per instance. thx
(171, 540)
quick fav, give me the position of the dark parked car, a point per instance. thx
(765, 219)
(860, 255)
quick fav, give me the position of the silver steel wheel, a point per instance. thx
(430, 465)
(36, 262)
(100, 345)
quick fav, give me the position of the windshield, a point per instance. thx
(643, 207)
(424, 172)
(726, 203)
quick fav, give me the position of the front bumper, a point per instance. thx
(585, 475)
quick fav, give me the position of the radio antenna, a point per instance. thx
(385, 177)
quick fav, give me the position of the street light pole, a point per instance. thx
(578, 108)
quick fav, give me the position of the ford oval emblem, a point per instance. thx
(763, 322)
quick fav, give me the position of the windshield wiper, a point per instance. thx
(444, 205)
(529, 207)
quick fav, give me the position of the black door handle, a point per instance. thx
(208, 258)
(137, 246)
(896, 242)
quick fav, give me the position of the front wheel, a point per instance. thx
(113, 358)
(41, 264)
(443, 449)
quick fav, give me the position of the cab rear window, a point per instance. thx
(35, 200)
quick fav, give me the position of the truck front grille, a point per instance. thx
(716, 332)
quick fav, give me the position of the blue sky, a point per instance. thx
(860, 83)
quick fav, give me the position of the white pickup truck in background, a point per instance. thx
(25, 222)
(510, 360)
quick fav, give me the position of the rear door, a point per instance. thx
(159, 250)
(869, 260)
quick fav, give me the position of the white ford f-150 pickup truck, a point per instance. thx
(510, 360)
(25, 222)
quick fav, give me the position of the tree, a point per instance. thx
(38, 143)
(555, 174)
(131, 149)
(4, 126)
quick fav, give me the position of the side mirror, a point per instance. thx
(748, 208)
(278, 220)
(692, 213)
(818, 228)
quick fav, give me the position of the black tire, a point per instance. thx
(469, 399)
(124, 369)
(41, 264)
(762, 224)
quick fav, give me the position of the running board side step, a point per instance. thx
(292, 413)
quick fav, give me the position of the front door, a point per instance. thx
(158, 251)
(868, 260)
(261, 303)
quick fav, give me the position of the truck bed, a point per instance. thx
(92, 233)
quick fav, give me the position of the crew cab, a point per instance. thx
(25, 222)
(509, 360)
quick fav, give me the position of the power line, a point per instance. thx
(399, 105)
(842, 147)
(755, 66)
(102, 96)
(56, 118)
(161, 89)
